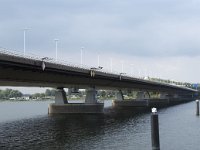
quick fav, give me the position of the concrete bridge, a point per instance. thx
(19, 70)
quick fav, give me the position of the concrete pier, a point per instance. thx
(61, 105)
(91, 96)
(147, 103)
(130, 103)
(119, 95)
(75, 108)
(143, 95)
(60, 96)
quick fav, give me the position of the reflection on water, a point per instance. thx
(107, 131)
(70, 132)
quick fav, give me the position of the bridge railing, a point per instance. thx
(62, 62)
(31, 56)
(19, 54)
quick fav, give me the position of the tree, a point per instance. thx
(48, 92)
(103, 93)
(1, 95)
(15, 93)
(9, 93)
(53, 92)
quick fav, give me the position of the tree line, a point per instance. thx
(10, 93)
(47, 93)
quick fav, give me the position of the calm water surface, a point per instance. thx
(26, 125)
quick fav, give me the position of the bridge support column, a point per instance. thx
(140, 102)
(143, 95)
(163, 95)
(175, 98)
(61, 106)
(60, 96)
(119, 98)
(119, 95)
(91, 96)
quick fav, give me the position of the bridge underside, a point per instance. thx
(18, 75)
(17, 71)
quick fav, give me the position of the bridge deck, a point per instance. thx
(17, 70)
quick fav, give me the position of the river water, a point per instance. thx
(26, 125)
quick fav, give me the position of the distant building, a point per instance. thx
(26, 97)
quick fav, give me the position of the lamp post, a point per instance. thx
(145, 72)
(25, 29)
(56, 41)
(98, 59)
(122, 63)
(82, 56)
(139, 73)
(132, 65)
(111, 64)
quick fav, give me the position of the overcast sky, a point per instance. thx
(158, 38)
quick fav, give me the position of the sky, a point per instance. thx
(147, 37)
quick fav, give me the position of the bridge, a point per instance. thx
(19, 70)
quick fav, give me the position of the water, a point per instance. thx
(26, 125)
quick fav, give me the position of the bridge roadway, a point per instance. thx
(19, 70)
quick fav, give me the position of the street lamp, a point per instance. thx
(139, 72)
(111, 64)
(132, 65)
(82, 56)
(56, 41)
(145, 72)
(122, 62)
(98, 60)
(25, 29)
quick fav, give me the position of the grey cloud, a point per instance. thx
(140, 28)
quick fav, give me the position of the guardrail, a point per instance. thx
(54, 61)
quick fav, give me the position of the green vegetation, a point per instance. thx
(9, 93)
(47, 95)
(105, 94)
(49, 92)
(101, 94)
